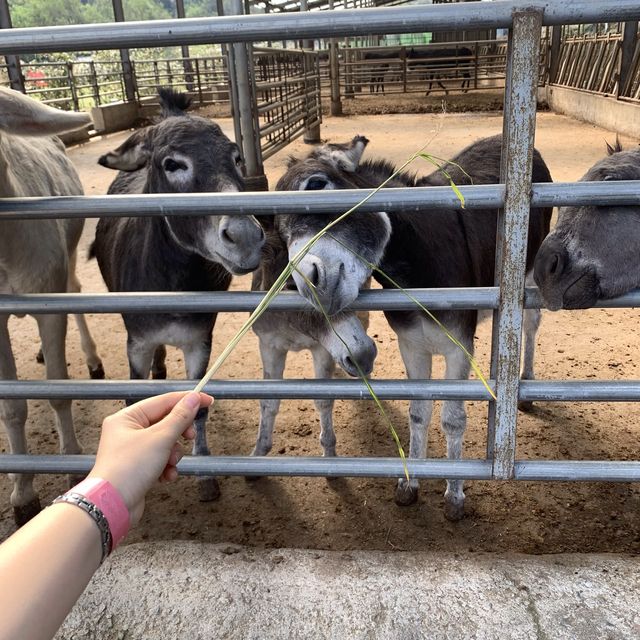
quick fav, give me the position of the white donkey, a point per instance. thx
(38, 256)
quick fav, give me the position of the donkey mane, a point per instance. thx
(616, 148)
(378, 170)
(173, 103)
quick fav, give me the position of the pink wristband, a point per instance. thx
(108, 499)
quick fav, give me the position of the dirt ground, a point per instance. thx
(360, 513)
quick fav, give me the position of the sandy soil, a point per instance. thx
(361, 514)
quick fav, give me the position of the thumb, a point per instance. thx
(181, 417)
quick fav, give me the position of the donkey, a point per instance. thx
(179, 154)
(279, 332)
(38, 256)
(435, 248)
(441, 64)
(592, 253)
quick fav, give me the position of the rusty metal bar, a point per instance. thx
(517, 149)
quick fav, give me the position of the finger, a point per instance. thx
(176, 455)
(181, 416)
(190, 433)
(151, 410)
(169, 474)
(148, 411)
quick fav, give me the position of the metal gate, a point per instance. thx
(515, 196)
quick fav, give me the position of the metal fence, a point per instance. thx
(592, 63)
(515, 197)
(288, 95)
(458, 66)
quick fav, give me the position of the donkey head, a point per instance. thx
(186, 154)
(593, 251)
(338, 264)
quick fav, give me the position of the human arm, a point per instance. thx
(46, 565)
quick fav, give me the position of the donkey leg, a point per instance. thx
(417, 361)
(273, 362)
(140, 354)
(13, 413)
(532, 318)
(324, 366)
(196, 360)
(53, 331)
(94, 363)
(454, 423)
(158, 366)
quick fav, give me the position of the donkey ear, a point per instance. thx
(347, 157)
(25, 116)
(132, 154)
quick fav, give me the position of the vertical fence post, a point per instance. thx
(186, 58)
(245, 111)
(334, 74)
(72, 86)
(629, 35)
(127, 72)
(93, 80)
(554, 53)
(199, 81)
(13, 62)
(523, 54)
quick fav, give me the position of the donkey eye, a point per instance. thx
(172, 165)
(315, 184)
(238, 160)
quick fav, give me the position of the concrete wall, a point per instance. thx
(114, 117)
(609, 113)
(197, 591)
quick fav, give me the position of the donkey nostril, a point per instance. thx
(314, 276)
(224, 234)
(553, 267)
(350, 363)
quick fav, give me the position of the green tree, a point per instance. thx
(44, 13)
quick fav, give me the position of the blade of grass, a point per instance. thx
(442, 327)
(286, 273)
(365, 380)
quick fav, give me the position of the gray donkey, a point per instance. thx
(281, 331)
(434, 248)
(593, 253)
(38, 256)
(180, 154)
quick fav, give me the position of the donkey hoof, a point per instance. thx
(23, 514)
(208, 489)
(40, 357)
(406, 495)
(97, 373)
(454, 511)
(253, 478)
(526, 406)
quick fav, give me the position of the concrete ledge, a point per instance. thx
(606, 112)
(114, 117)
(199, 591)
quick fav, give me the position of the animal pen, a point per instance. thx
(507, 298)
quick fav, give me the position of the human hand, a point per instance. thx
(138, 445)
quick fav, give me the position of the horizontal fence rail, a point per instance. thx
(530, 390)
(429, 469)
(320, 24)
(221, 301)
(623, 192)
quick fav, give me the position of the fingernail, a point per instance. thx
(192, 400)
